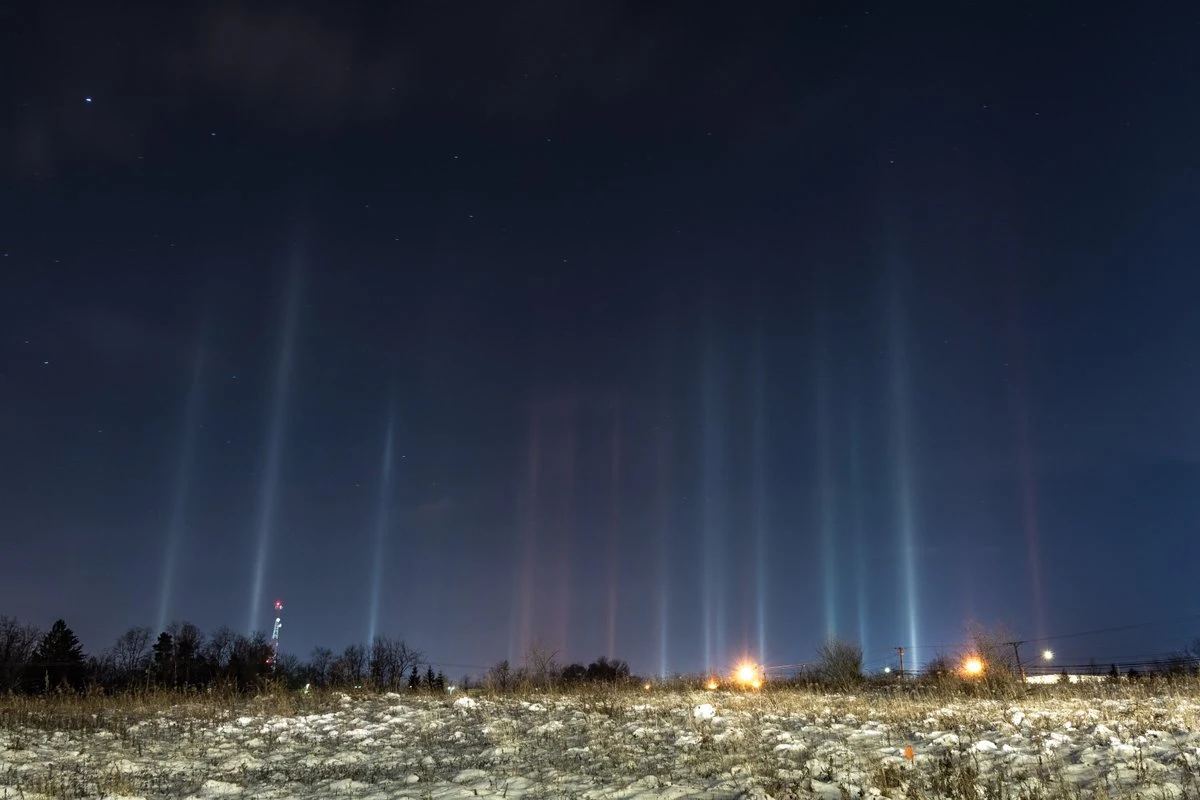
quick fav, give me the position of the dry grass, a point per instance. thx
(162, 744)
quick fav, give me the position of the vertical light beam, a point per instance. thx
(381, 525)
(900, 435)
(566, 525)
(825, 486)
(1025, 455)
(614, 530)
(663, 491)
(663, 501)
(522, 634)
(712, 583)
(759, 491)
(183, 477)
(269, 488)
(858, 521)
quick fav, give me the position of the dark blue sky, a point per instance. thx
(699, 331)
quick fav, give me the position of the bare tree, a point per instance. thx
(391, 659)
(319, 664)
(248, 659)
(102, 670)
(350, 666)
(997, 650)
(130, 655)
(17, 643)
(994, 647)
(286, 666)
(541, 665)
(500, 677)
(220, 647)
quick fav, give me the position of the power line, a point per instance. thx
(882, 657)
(1115, 629)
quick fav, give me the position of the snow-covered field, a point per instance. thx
(614, 745)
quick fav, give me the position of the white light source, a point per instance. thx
(1047, 655)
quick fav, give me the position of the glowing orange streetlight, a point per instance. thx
(973, 666)
(748, 675)
(711, 685)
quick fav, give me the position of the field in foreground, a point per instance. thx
(784, 743)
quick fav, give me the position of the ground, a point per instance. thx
(1051, 742)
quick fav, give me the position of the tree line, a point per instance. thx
(182, 656)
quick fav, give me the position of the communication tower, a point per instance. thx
(271, 659)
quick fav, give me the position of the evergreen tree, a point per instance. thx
(439, 682)
(414, 680)
(188, 644)
(429, 677)
(58, 659)
(162, 659)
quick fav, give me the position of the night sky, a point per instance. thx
(663, 331)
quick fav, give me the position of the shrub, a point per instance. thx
(840, 663)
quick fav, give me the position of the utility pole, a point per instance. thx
(1016, 646)
(900, 650)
